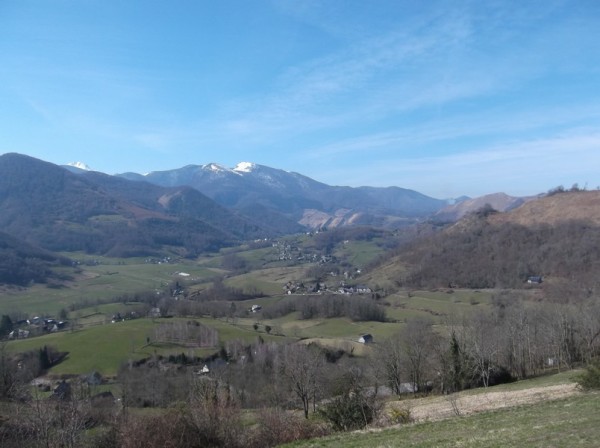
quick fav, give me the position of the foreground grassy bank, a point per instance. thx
(574, 421)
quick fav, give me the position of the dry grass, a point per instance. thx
(439, 408)
(582, 205)
(508, 416)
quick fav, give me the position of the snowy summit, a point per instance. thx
(80, 165)
(244, 167)
(215, 168)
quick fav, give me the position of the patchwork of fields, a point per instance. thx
(104, 287)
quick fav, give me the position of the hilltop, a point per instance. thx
(554, 237)
(498, 201)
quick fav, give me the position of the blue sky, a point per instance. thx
(444, 97)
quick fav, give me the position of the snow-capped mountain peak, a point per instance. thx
(80, 165)
(214, 167)
(245, 167)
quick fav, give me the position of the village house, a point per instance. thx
(362, 289)
(365, 339)
(18, 334)
(534, 279)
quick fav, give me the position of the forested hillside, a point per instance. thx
(54, 208)
(22, 264)
(556, 237)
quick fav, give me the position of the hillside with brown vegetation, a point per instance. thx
(558, 208)
(556, 237)
(498, 201)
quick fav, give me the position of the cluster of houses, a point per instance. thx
(163, 260)
(357, 289)
(36, 326)
(118, 317)
(62, 390)
(293, 287)
(287, 251)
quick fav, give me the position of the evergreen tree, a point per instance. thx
(6, 325)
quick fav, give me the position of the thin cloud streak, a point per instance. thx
(488, 170)
(449, 129)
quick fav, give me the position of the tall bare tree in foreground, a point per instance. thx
(302, 366)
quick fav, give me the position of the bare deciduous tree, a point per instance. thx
(301, 365)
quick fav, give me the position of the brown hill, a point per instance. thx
(498, 201)
(556, 237)
(581, 206)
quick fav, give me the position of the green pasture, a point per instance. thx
(256, 258)
(356, 348)
(105, 309)
(339, 328)
(269, 281)
(105, 347)
(569, 422)
(464, 296)
(100, 282)
(358, 253)
(436, 306)
(250, 282)
(232, 329)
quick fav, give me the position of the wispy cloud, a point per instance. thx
(527, 167)
(317, 94)
(426, 65)
(448, 129)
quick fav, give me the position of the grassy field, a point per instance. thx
(100, 282)
(358, 253)
(269, 281)
(568, 422)
(436, 306)
(105, 347)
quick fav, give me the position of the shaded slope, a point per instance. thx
(21, 263)
(56, 209)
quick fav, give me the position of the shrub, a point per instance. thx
(590, 378)
(276, 426)
(348, 412)
(400, 415)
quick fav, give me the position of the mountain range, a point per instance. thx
(252, 189)
(194, 208)
(46, 207)
(53, 208)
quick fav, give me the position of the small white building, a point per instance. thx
(365, 339)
